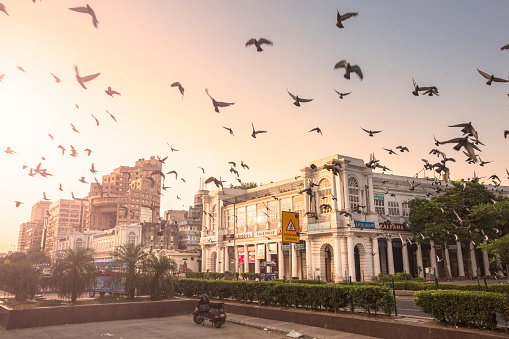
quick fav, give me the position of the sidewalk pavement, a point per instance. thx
(287, 327)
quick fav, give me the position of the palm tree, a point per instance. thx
(20, 278)
(129, 256)
(157, 268)
(74, 273)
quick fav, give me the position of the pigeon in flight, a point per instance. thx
(318, 130)
(74, 129)
(297, 99)
(243, 165)
(18, 203)
(82, 80)
(88, 150)
(258, 43)
(370, 132)
(96, 121)
(181, 89)
(218, 104)
(93, 170)
(341, 95)
(256, 132)
(340, 18)
(44, 196)
(3, 9)
(229, 130)
(349, 68)
(87, 10)
(2, 77)
(506, 133)
(218, 183)
(172, 149)
(112, 116)
(402, 148)
(57, 79)
(504, 47)
(110, 92)
(8, 150)
(21, 69)
(491, 78)
(390, 151)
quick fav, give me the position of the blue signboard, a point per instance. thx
(364, 224)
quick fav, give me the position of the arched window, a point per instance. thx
(79, 244)
(325, 195)
(354, 194)
(131, 238)
(214, 217)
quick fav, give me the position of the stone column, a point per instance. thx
(281, 260)
(406, 263)
(236, 256)
(218, 259)
(371, 195)
(486, 261)
(293, 253)
(473, 261)
(226, 259)
(447, 257)
(246, 259)
(459, 255)
(433, 257)
(419, 261)
(309, 259)
(334, 194)
(257, 261)
(338, 267)
(390, 256)
(376, 256)
(204, 259)
(344, 196)
(351, 257)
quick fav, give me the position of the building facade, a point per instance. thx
(125, 196)
(353, 225)
(31, 234)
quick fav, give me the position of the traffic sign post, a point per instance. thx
(290, 232)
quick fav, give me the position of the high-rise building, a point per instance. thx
(126, 196)
(65, 217)
(30, 233)
(40, 210)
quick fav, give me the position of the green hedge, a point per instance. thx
(419, 286)
(275, 293)
(464, 308)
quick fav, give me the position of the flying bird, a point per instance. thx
(8, 150)
(258, 43)
(173, 172)
(60, 187)
(297, 99)
(491, 78)
(96, 121)
(181, 89)
(110, 92)
(402, 148)
(506, 133)
(2, 77)
(341, 95)
(504, 47)
(318, 130)
(340, 18)
(74, 128)
(216, 182)
(87, 10)
(172, 149)
(44, 196)
(93, 170)
(349, 68)
(3, 9)
(203, 169)
(88, 150)
(82, 80)
(218, 104)
(20, 68)
(82, 179)
(229, 130)
(233, 163)
(111, 115)
(50, 136)
(18, 203)
(62, 148)
(57, 79)
(370, 132)
(256, 132)
(390, 151)
(244, 165)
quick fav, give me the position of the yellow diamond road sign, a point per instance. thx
(290, 227)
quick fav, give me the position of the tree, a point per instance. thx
(447, 218)
(498, 248)
(245, 185)
(74, 273)
(157, 268)
(20, 278)
(36, 256)
(129, 257)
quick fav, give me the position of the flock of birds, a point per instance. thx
(468, 142)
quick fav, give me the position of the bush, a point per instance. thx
(277, 293)
(49, 303)
(464, 308)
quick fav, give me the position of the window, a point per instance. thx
(262, 213)
(131, 238)
(273, 210)
(405, 208)
(286, 204)
(325, 191)
(393, 207)
(298, 205)
(214, 217)
(379, 203)
(251, 214)
(354, 195)
(79, 244)
(241, 217)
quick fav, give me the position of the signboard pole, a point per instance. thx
(290, 261)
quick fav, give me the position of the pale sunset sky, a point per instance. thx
(141, 47)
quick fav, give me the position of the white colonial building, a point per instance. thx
(353, 225)
(101, 242)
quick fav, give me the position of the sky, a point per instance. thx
(141, 47)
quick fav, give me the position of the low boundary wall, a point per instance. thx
(61, 315)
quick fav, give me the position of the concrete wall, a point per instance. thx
(61, 315)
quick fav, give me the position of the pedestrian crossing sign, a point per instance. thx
(290, 227)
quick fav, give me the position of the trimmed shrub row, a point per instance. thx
(464, 308)
(418, 286)
(277, 293)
